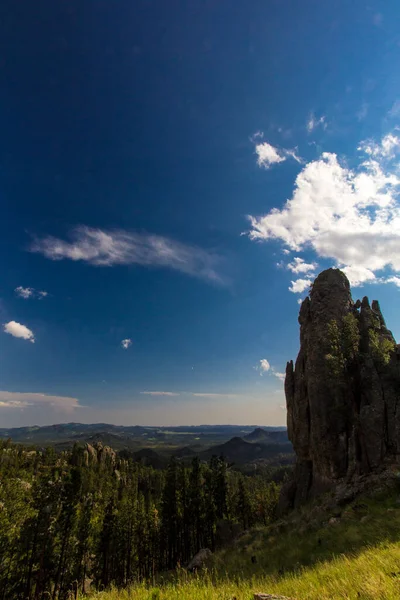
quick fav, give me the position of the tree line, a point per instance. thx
(74, 516)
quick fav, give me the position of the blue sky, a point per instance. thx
(168, 173)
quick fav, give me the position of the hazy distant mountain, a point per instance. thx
(237, 450)
(267, 437)
(81, 431)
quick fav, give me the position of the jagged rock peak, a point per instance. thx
(343, 392)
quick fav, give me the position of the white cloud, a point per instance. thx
(268, 155)
(349, 215)
(19, 331)
(313, 122)
(299, 286)
(358, 275)
(118, 247)
(395, 280)
(387, 148)
(25, 399)
(29, 292)
(160, 393)
(263, 366)
(299, 266)
(300, 300)
(24, 292)
(126, 343)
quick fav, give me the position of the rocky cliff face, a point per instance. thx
(343, 395)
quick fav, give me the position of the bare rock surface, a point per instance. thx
(342, 394)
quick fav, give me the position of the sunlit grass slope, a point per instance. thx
(357, 557)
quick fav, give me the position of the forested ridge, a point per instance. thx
(89, 514)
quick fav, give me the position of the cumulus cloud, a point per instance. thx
(160, 393)
(268, 155)
(29, 292)
(107, 248)
(126, 343)
(348, 215)
(313, 122)
(25, 399)
(20, 331)
(299, 285)
(298, 265)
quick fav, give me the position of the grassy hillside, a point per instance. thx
(356, 556)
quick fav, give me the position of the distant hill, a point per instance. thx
(184, 452)
(239, 451)
(267, 437)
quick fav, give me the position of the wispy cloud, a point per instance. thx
(395, 110)
(157, 393)
(30, 292)
(126, 343)
(363, 112)
(19, 331)
(214, 395)
(268, 155)
(107, 248)
(348, 215)
(196, 394)
(314, 122)
(19, 400)
(387, 148)
(280, 376)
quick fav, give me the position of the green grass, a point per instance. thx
(357, 558)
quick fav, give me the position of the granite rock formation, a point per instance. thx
(343, 395)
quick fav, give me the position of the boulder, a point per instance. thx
(199, 559)
(343, 392)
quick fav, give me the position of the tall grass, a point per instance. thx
(358, 558)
